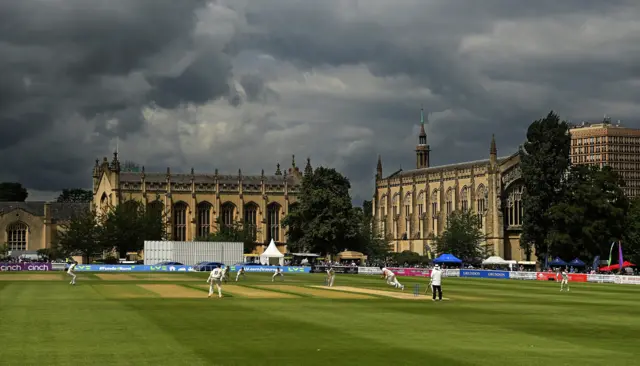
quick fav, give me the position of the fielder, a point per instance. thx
(215, 278)
(277, 272)
(331, 276)
(225, 273)
(391, 278)
(70, 272)
(240, 273)
(436, 283)
(565, 279)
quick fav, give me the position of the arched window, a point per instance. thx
(104, 203)
(228, 211)
(204, 219)
(514, 206)
(420, 213)
(180, 221)
(449, 201)
(464, 199)
(434, 211)
(251, 219)
(273, 221)
(407, 215)
(394, 203)
(382, 213)
(481, 207)
(17, 236)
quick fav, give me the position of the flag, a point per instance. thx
(596, 262)
(620, 255)
(546, 261)
(611, 252)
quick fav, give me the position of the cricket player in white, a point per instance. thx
(225, 273)
(240, 273)
(565, 280)
(391, 278)
(331, 276)
(215, 278)
(71, 273)
(277, 272)
(436, 283)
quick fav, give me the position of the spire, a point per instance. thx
(493, 150)
(115, 163)
(278, 172)
(293, 161)
(422, 137)
(379, 168)
(307, 169)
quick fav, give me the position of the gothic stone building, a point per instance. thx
(412, 206)
(29, 226)
(195, 203)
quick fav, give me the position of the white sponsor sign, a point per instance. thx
(522, 275)
(627, 280)
(369, 270)
(600, 278)
(451, 273)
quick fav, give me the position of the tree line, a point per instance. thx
(572, 210)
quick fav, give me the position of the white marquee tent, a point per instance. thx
(272, 255)
(495, 260)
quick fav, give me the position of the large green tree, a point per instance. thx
(236, 232)
(12, 192)
(82, 235)
(127, 226)
(631, 237)
(463, 237)
(544, 160)
(590, 215)
(75, 195)
(372, 245)
(324, 220)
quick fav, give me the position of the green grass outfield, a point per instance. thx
(150, 319)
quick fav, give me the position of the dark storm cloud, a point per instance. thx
(75, 76)
(94, 63)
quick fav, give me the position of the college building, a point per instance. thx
(412, 206)
(30, 226)
(195, 203)
(604, 143)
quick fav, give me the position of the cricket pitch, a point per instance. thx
(318, 292)
(395, 295)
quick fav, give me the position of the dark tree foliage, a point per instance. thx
(463, 237)
(544, 163)
(82, 235)
(77, 195)
(128, 225)
(590, 215)
(12, 192)
(631, 237)
(324, 221)
(235, 232)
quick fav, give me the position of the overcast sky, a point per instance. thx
(247, 83)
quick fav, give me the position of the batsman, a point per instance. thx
(331, 276)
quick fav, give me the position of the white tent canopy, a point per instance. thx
(272, 255)
(494, 260)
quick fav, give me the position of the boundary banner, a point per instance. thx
(627, 280)
(573, 277)
(285, 269)
(523, 276)
(479, 273)
(369, 270)
(451, 272)
(600, 278)
(130, 268)
(411, 272)
(25, 266)
(337, 269)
